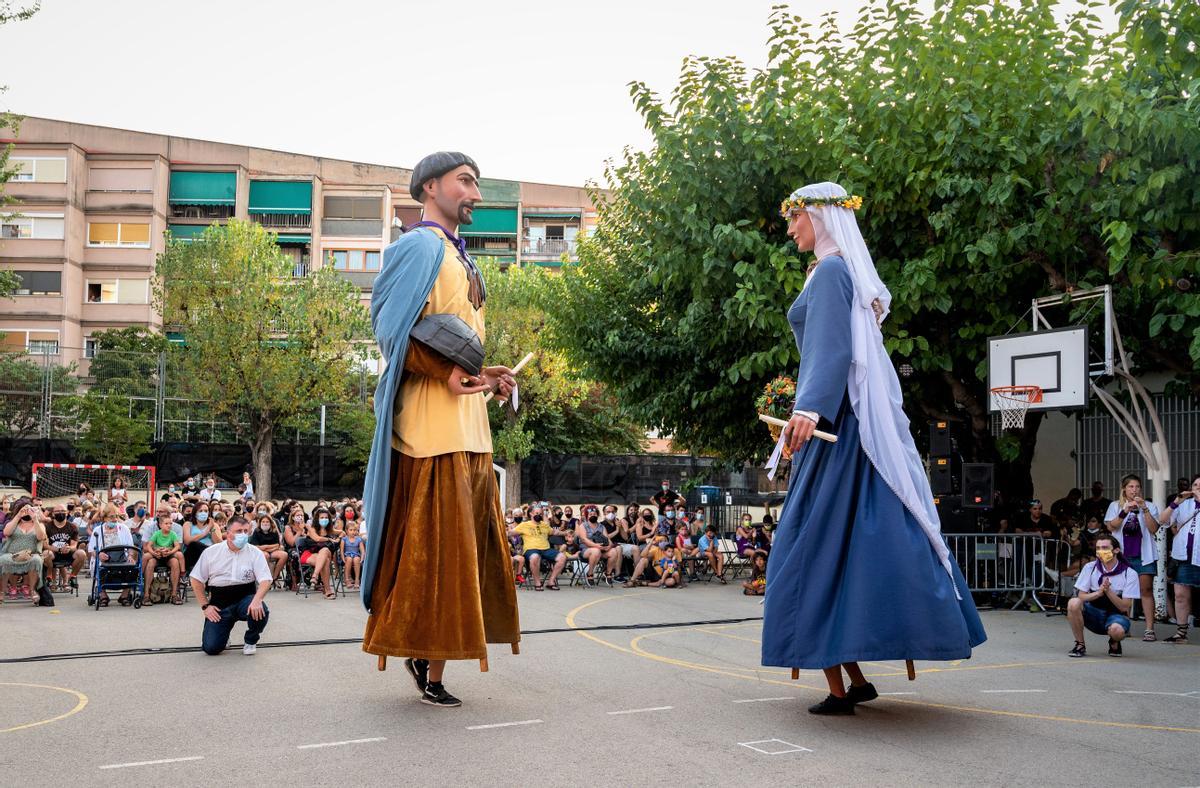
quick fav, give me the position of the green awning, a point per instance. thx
(187, 232)
(293, 239)
(203, 188)
(491, 221)
(559, 215)
(281, 197)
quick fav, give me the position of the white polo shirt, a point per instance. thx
(1188, 520)
(220, 566)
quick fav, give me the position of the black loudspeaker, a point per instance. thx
(978, 485)
(939, 439)
(941, 480)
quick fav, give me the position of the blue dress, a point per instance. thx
(851, 574)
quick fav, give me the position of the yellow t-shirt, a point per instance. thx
(428, 419)
(534, 536)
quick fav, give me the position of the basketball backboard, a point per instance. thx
(1054, 359)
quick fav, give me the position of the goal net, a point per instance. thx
(62, 480)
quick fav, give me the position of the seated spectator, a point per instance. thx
(349, 514)
(21, 553)
(709, 549)
(266, 537)
(696, 522)
(666, 523)
(743, 537)
(646, 529)
(594, 545)
(352, 548)
(163, 547)
(1106, 589)
(210, 493)
(117, 494)
(139, 525)
(199, 533)
(315, 548)
(1065, 509)
(623, 537)
(687, 549)
(63, 553)
(535, 548)
(757, 584)
(669, 568)
(760, 537)
(649, 565)
(110, 531)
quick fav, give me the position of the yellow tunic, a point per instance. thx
(428, 419)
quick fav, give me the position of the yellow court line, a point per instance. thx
(81, 698)
(636, 650)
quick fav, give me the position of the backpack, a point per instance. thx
(160, 590)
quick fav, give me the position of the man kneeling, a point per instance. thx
(1106, 589)
(230, 580)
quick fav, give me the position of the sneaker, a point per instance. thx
(861, 694)
(1149, 636)
(1079, 651)
(1114, 648)
(833, 705)
(419, 670)
(436, 695)
(249, 648)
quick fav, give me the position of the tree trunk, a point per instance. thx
(260, 451)
(512, 483)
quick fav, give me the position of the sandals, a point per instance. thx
(330, 595)
(147, 602)
(553, 586)
(176, 600)
(539, 587)
(1148, 636)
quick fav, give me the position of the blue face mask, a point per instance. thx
(201, 517)
(324, 521)
(670, 515)
(241, 540)
(140, 512)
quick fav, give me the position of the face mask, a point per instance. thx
(211, 486)
(203, 516)
(592, 518)
(517, 518)
(1104, 555)
(746, 520)
(59, 517)
(240, 540)
(299, 518)
(110, 525)
(261, 512)
(537, 518)
(508, 519)
(671, 515)
(666, 487)
(349, 515)
(610, 516)
(324, 521)
(140, 512)
(699, 516)
(648, 518)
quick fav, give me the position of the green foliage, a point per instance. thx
(22, 380)
(113, 432)
(1002, 155)
(560, 410)
(352, 427)
(262, 348)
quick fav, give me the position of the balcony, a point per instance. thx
(352, 228)
(205, 212)
(119, 202)
(283, 221)
(36, 194)
(548, 247)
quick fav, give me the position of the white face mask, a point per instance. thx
(610, 516)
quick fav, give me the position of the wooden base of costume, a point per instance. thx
(445, 580)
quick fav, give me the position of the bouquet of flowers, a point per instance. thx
(777, 399)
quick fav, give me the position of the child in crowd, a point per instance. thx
(668, 568)
(352, 553)
(757, 584)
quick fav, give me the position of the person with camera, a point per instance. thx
(1183, 514)
(21, 554)
(230, 581)
(1105, 590)
(1134, 522)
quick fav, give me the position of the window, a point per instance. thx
(353, 207)
(120, 179)
(124, 234)
(89, 348)
(39, 283)
(408, 215)
(40, 169)
(35, 342)
(39, 226)
(43, 347)
(354, 259)
(118, 291)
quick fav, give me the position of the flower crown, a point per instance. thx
(794, 205)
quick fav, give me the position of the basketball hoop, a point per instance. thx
(1013, 402)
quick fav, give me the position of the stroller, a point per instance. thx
(122, 570)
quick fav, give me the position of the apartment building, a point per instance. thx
(96, 204)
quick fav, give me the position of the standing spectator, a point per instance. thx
(231, 580)
(1134, 521)
(210, 493)
(536, 548)
(710, 549)
(595, 545)
(199, 533)
(1097, 505)
(1183, 513)
(21, 554)
(352, 554)
(1066, 509)
(118, 493)
(664, 497)
(63, 553)
(163, 546)
(1106, 589)
(247, 487)
(266, 538)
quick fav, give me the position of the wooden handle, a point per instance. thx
(825, 436)
(520, 366)
(912, 671)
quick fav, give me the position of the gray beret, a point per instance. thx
(435, 165)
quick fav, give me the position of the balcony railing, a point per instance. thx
(552, 247)
(201, 211)
(291, 221)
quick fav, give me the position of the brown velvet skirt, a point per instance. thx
(444, 586)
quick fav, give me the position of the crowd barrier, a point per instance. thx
(1012, 564)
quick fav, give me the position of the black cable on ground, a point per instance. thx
(141, 652)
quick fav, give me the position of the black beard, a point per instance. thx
(463, 216)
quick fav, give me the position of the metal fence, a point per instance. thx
(1007, 564)
(1103, 453)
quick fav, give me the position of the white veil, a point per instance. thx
(873, 385)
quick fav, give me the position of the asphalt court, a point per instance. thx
(687, 700)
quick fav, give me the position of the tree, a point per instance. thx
(1001, 157)
(8, 280)
(112, 434)
(23, 380)
(353, 428)
(261, 347)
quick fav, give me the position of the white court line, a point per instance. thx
(502, 725)
(153, 763)
(339, 743)
(1191, 694)
(762, 700)
(639, 711)
(775, 750)
(897, 693)
(1001, 692)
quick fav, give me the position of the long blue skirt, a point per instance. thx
(851, 575)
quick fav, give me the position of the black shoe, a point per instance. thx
(435, 695)
(833, 705)
(1114, 648)
(419, 670)
(1079, 651)
(861, 694)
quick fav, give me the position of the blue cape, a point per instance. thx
(400, 292)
